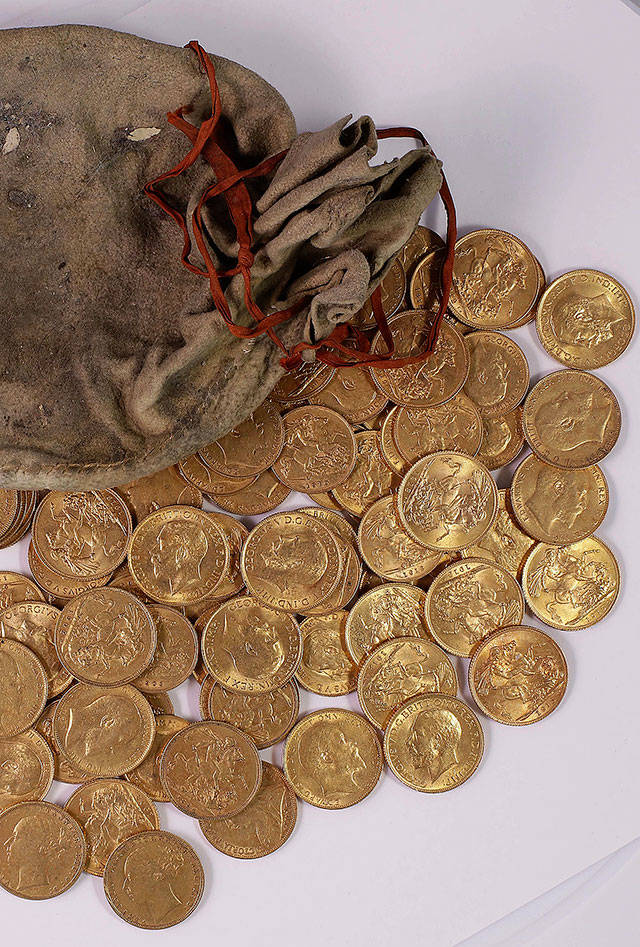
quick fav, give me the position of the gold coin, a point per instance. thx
(304, 382)
(433, 743)
(505, 543)
(23, 687)
(250, 648)
(388, 611)
(176, 652)
(571, 419)
(531, 315)
(585, 319)
(291, 561)
(153, 880)
(105, 637)
(495, 280)
(352, 393)
(319, 450)
(249, 448)
(178, 555)
(15, 587)
(206, 687)
(470, 599)
(236, 533)
(82, 536)
(348, 581)
(56, 586)
(160, 703)
(556, 505)
(122, 579)
(263, 495)
(8, 509)
(63, 769)
(388, 549)
(26, 768)
(326, 501)
(333, 758)
(433, 381)
(425, 286)
(104, 731)
(33, 623)
(263, 827)
(266, 718)
(164, 488)
(456, 426)
(571, 587)
(399, 669)
(21, 524)
(447, 501)
(421, 243)
(518, 675)
(146, 776)
(210, 770)
(392, 288)
(498, 375)
(326, 667)
(371, 477)
(388, 446)
(109, 811)
(198, 474)
(502, 439)
(42, 850)
(335, 520)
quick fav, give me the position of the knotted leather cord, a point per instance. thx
(346, 346)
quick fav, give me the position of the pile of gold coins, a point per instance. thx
(406, 560)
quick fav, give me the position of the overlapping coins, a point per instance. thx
(405, 561)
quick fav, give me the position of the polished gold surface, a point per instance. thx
(23, 687)
(388, 549)
(176, 651)
(319, 450)
(34, 623)
(26, 768)
(147, 774)
(164, 488)
(266, 718)
(391, 610)
(455, 425)
(502, 439)
(352, 393)
(505, 543)
(326, 667)
(498, 376)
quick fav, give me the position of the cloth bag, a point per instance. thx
(114, 360)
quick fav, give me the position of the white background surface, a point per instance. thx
(533, 107)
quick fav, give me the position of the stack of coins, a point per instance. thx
(16, 512)
(405, 562)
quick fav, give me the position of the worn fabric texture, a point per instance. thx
(113, 360)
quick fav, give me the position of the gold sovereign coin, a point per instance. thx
(556, 505)
(518, 675)
(348, 582)
(505, 543)
(290, 561)
(153, 880)
(250, 648)
(26, 768)
(326, 667)
(333, 758)
(104, 731)
(236, 533)
(266, 718)
(392, 288)
(571, 419)
(176, 651)
(422, 242)
(206, 686)
(178, 555)
(456, 426)
(15, 587)
(63, 770)
(42, 850)
(250, 448)
(502, 439)
(164, 488)
(387, 611)
(105, 637)
(263, 827)
(303, 382)
(571, 587)
(388, 446)
(57, 587)
(82, 536)
(264, 494)
(433, 381)
(585, 319)
(433, 743)
(160, 703)
(388, 549)
(400, 669)
(425, 286)
(319, 450)
(371, 478)
(326, 501)
(210, 770)
(198, 474)
(146, 776)
(109, 811)
(336, 521)
(33, 623)
(498, 375)
(495, 280)
(352, 393)
(447, 501)
(470, 599)
(23, 687)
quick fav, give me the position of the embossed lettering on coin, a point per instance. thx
(176, 651)
(498, 375)
(33, 623)
(26, 768)
(326, 667)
